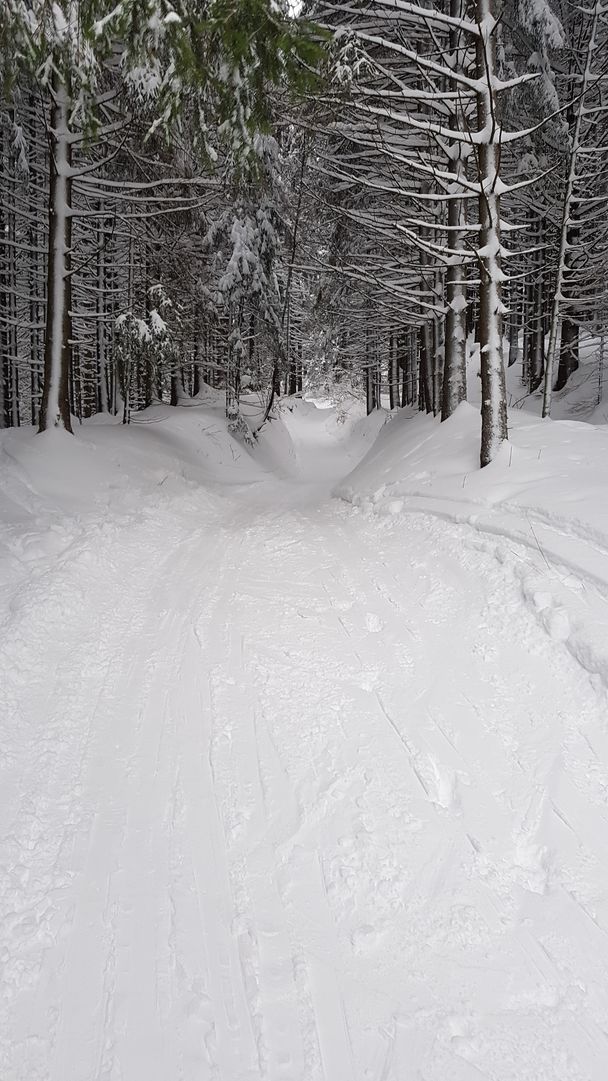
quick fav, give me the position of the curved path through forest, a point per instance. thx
(315, 799)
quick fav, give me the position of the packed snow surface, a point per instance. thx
(298, 787)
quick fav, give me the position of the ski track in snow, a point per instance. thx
(315, 798)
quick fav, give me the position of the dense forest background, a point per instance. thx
(367, 194)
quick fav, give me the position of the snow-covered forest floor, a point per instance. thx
(297, 787)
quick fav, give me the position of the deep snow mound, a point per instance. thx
(55, 488)
(164, 445)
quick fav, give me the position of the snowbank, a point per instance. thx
(66, 500)
(178, 447)
(544, 501)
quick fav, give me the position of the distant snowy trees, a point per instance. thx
(125, 124)
(172, 213)
(453, 159)
(580, 294)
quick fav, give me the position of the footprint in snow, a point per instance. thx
(373, 623)
(364, 938)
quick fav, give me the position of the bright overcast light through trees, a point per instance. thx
(303, 540)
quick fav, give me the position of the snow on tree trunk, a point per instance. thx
(55, 410)
(455, 367)
(454, 389)
(493, 390)
(102, 377)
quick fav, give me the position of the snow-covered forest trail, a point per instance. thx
(314, 798)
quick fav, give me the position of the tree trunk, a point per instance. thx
(177, 388)
(426, 380)
(455, 366)
(103, 237)
(566, 229)
(12, 382)
(370, 390)
(568, 352)
(390, 370)
(513, 326)
(493, 389)
(536, 358)
(539, 331)
(401, 372)
(299, 377)
(454, 389)
(438, 347)
(413, 368)
(292, 380)
(55, 409)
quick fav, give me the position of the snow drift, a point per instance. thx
(542, 505)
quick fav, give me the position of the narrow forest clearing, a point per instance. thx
(292, 790)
